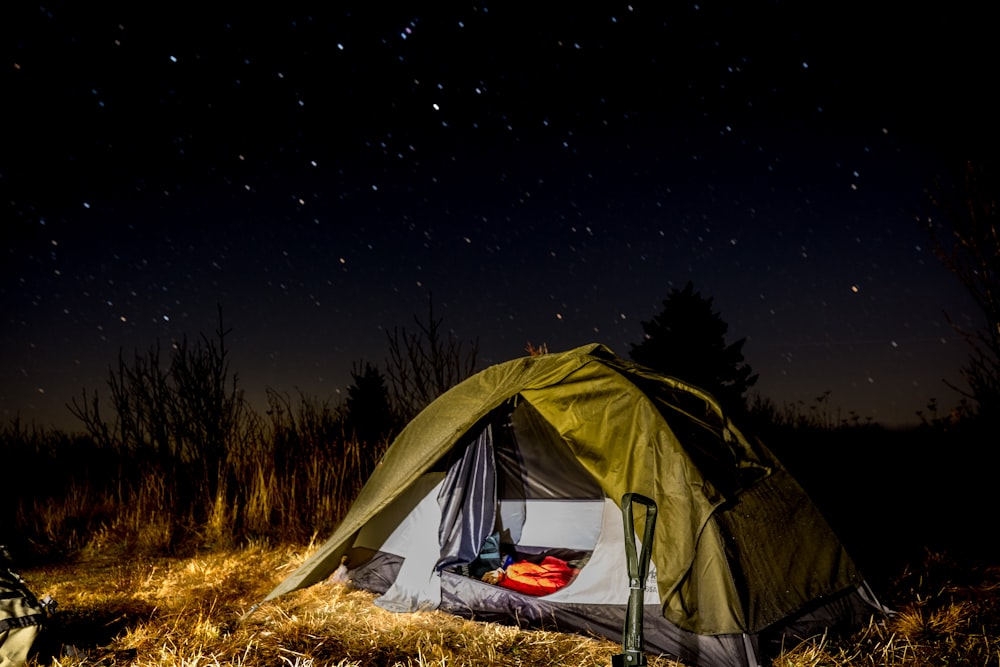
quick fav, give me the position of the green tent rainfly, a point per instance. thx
(536, 454)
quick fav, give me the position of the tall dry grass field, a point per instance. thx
(285, 479)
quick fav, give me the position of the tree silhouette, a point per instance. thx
(369, 416)
(185, 415)
(424, 363)
(966, 238)
(687, 340)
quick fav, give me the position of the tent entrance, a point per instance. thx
(545, 498)
(513, 486)
(517, 509)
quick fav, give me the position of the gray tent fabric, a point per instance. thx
(417, 586)
(540, 451)
(468, 501)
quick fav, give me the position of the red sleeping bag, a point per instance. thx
(538, 578)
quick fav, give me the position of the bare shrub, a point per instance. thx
(424, 363)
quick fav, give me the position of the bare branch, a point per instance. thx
(423, 364)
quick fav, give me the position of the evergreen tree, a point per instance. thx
(686, 340)
(369, 416)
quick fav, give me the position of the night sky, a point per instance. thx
(318, 170)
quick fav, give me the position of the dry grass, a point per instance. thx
(160, 611)
(184, 611)
(938, 621)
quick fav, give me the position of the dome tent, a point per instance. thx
(537, 453)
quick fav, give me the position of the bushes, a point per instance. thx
(184, 463)
(288, 482)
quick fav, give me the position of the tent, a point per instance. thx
(532, 458)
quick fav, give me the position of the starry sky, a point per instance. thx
(548, 172)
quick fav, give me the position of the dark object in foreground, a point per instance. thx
(22, 615)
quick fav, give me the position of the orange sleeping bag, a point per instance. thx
(538, 578)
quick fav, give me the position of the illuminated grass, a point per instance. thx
(186, 611)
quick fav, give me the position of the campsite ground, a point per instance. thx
(155, 572)
(174, 611)
(146, 611)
